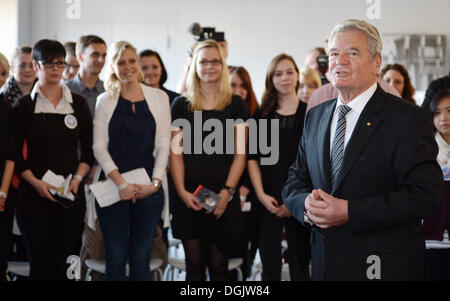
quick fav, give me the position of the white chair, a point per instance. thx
(19, 268)
(235, 264)
(285, 276)
(258, 271)
(174, 244)
(174, 265)
(179, 264)
(100, 267)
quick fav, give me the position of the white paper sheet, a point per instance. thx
(107, 193)
(59, 181)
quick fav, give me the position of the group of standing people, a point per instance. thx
(52, 128)
(324, 192)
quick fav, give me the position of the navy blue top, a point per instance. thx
(132, 136)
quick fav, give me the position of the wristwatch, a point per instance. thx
(231, 190)
(156, 183)
(2, 194)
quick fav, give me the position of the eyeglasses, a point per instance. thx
(212, 62)
(59, 64)
(72, 66)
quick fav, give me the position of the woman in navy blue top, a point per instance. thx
(131, 131)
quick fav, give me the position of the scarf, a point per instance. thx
(444, 150)
(12, 91)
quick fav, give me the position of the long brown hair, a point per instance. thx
(408, 89)
(251, 101)
(270, 96)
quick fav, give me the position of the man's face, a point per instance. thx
(352, 68)
(92, 59)
(72, 67)
(311, 60)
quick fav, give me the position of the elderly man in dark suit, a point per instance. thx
(366, 171)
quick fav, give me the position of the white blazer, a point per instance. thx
(158, 104)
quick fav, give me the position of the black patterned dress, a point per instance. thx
(211, 171)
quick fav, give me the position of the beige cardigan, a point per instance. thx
(158, 104)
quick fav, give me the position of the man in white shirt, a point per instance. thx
(91, 54)
(366, 171)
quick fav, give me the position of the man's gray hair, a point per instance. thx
(374, 43)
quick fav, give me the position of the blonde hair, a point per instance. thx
(4, 63)
(311, 75)
(112, 83)
(193, 93)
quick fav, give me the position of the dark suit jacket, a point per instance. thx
(390, 178)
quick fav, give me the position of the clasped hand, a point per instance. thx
(272, 206)
(325, 210)
(134, 192)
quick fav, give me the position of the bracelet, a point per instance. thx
(122, 186)
(2, 194)
(78, 177)
(156, 183)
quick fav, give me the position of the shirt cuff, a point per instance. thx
(306, 218)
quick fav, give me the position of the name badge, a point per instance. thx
(71, 121)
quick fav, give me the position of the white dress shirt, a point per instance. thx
(357, 105)
(43, 105)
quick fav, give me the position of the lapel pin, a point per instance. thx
(369, 124)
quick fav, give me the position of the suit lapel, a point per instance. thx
(366, 125)
(323, 146)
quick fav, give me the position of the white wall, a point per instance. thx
(256, 30)
(8, 24)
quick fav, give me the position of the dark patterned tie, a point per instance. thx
(337, 150)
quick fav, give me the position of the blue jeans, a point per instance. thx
(128, 231)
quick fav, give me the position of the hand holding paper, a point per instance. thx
(107, 193)
(57, 185)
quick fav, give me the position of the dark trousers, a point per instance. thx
(247, 246)
(128, 231)
(299, 249)
(50, 240)
(6, 225)
(437, 264)
(6, 236)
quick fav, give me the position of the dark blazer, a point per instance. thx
(390, 178)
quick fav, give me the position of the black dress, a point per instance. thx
(7, 216)
(172, 95)
(5, 132)
(290, 131)
(274, 178)
(51, 146)
(51, 232)
(211, 171)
